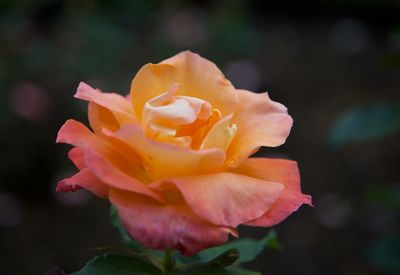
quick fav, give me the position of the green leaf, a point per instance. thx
(227, 258)
(214, 266)
(271, 241)
(366, 123)
(248, 248)
(168, 261)
(116, 264)
(219, 265)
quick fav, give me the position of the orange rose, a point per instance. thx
(173, 157)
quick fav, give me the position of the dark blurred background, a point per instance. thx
(335, 64)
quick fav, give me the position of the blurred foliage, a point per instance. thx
(385, 254)
(386, 195)
(366, 123)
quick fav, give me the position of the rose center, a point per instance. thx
(185, 121)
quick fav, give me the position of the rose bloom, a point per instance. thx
(173, 156)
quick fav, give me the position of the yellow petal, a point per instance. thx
(197, 77)
(221, 134)
(162, 160)
(101, 117)
(165, 114)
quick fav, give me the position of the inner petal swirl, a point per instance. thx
(186, 121)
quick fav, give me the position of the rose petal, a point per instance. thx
(220, 135)
(163, 160)
(278, 170)
(260, 122)
(83, 179)
(202, 108)
(103, 160)
(101, 117)
(168, 111)
(77, 156)
(227, 199)
(160, 226)
(105, 170)
(197, 77)
(75, 133)
(120, 106)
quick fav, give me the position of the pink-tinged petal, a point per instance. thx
(161, 226)
(278, 170)
(77, 156)
(104, 160)
(227, 199)
(197, 77)
(64, 187)
(260, 122)
(83, 179)
(162, 160)
(105, 170)
(75, 133)
(120, 106)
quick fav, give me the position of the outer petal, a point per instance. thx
(77, 156)
(75, 133)
(83, 179)
(160, 226)
(100, 157)
(260, 122)
(197, 77)
(114, 177)
(277, 170)
(227, 199)
(166, 160)
(120, 106)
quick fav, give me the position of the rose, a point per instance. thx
(173, 156)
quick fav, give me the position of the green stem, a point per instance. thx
(169, 260)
